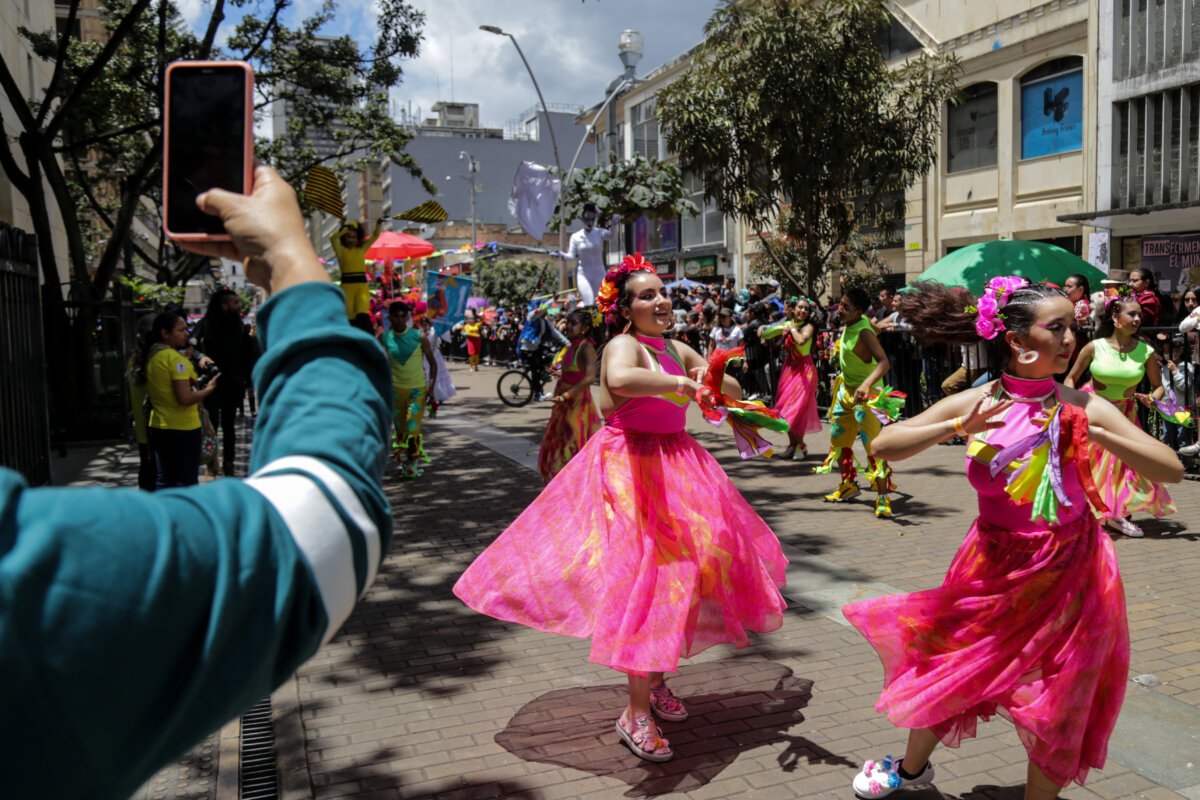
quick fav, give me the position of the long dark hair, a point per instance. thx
(1083, 282)
(1164, 302)
(163, 323)
(1105, 313)
(939, 313)
(1181, 313)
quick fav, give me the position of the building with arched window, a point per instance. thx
(1019, 151)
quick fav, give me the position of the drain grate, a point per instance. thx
(258, 776)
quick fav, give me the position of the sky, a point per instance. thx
(571, 46)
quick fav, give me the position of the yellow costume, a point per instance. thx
(353, 264)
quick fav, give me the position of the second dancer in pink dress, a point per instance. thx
(796, 397)
(1029, 622)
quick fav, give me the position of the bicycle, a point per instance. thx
(520, 386)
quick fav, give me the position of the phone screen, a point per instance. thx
(207, 140)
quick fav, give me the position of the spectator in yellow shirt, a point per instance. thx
(174, 423)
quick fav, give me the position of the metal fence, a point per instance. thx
(919, 370)
(24, 435)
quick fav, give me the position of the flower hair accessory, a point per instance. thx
(606, 298)
(990, 321)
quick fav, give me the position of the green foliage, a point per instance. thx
(627, 188)
(791, 103)
(511, 282)
(154, 294)
(861, 265)
(101, 113)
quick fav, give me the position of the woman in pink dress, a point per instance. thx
(1029, 622)
(641, 543)
(796, 397)
(573, 419)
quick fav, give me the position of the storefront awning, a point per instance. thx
(1175, 217)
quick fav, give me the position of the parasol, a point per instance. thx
(393, 246)
(973, 266)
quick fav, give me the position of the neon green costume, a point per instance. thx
(849, 419)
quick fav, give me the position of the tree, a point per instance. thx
(100, 114)
(791, 103)
(511, 282)
(629, 188)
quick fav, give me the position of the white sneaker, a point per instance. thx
(1125, 526)
(1190, 450)
(881, 778)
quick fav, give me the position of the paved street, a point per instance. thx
(419, 696)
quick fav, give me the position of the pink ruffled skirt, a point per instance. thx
(1123, 490)
(796, 397)
(1030, 626)
(642, 544)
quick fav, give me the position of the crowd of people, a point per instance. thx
(638, 541)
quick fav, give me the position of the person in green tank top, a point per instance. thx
(1118, 361)
(405, 348)
(863, 364)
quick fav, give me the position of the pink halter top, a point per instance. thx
(657, 414)
(995, 505)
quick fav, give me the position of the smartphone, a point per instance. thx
(208, 142)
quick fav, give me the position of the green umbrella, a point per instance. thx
(974, 265)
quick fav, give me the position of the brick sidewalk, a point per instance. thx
(418, 696)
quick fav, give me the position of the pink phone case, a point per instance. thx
(247, 149)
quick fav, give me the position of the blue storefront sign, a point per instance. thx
(1052, 115)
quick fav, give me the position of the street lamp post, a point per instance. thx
(562, 270)
(472, 168)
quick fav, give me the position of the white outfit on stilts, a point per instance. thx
(443, 388)
(588, 248)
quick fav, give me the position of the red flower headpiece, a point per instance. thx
(606, 298)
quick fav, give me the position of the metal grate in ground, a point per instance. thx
(258, 778)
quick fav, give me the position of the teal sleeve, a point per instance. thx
(133, 624)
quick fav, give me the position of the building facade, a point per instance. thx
(1015, 158)
(1148, 137)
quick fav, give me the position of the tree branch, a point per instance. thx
(214, 22)
(93, 71)
(271, 23)
(93, 201)
(103, 137)
(778, 263)
(60, 60)
(9, 163)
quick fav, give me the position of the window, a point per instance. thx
(650, 235)
(1151, 163)
(1052, 108)
(645, 129)
(971, 129)
(894, 40)
(709, 226)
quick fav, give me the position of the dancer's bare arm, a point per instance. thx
(973, 408)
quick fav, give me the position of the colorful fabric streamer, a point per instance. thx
(769, 332)
(1038, 481)
(744, 417)
(1170, 409)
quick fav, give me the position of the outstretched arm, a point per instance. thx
(971, 409)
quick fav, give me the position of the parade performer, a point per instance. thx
(856, 401)
(472, 329)
(1119, 361)
(437, 375)
(1029, 622)
(796, 396)
(350, 244)
(586, 247)
(407, 349)
(641, 543)
(573, 419)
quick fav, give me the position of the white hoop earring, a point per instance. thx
(1027, 356)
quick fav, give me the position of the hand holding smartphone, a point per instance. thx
(208, 142)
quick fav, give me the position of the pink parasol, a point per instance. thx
(395, 246)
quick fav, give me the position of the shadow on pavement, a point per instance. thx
(735, 706)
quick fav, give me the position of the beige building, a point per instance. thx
(1020, 151)
(1017, 155)
(32, 76)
